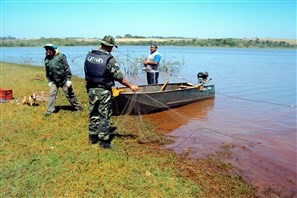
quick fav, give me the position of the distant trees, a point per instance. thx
(228, 42)
(8, 38)
(42, 41)
(10, 41)
(130, 36)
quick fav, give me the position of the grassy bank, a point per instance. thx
(50, 157)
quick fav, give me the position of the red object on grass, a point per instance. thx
(5, 94)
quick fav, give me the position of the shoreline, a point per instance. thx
(249, 158)
(290, 41)
(137, 155)
(183, 156)
(195, 42)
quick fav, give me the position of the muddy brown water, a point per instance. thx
(263, 146)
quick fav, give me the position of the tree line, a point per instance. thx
(143, 41)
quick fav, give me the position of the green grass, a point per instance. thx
(50, 157)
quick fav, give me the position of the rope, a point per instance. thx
(141, 129)
(207, 130)
(239, 98)
(188, 81)
(227, 135)
(260, 101)
(165, 73)
(128, 56)
(141, 124)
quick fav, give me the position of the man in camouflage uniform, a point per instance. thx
(101, 70)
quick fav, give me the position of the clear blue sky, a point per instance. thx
(195, 19)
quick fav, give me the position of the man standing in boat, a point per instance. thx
(101, 70)
(151, 64)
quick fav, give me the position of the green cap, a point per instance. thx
(109, 41)
(49, 45)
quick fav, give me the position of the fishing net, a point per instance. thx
(130, 123)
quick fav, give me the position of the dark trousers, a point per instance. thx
(152, 78)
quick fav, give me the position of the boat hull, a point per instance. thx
(150, 99)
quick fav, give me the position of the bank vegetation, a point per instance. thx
(129, 40)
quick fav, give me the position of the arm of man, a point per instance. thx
(47, 74)
(118, 75)
(66, 68)
(47, 70)
(156, 61)
(150, 63)
(127, 84)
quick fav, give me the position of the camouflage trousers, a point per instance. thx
(100, 110)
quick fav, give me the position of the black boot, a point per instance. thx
(105, 144)
(93, 139)
(78, 108)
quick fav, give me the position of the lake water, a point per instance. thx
(254, 109)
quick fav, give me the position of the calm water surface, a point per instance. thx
(254, 109)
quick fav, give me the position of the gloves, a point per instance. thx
(68, 83)
(50, 83)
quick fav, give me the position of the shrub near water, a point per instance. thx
(51, 157)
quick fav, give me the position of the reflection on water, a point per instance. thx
(168, 120)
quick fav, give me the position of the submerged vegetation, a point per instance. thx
(51, 157)
(143, 41)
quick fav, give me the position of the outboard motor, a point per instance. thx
(202, 77)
